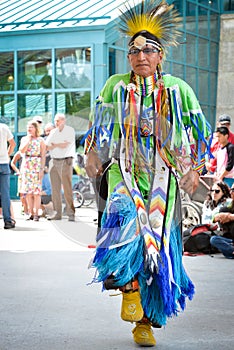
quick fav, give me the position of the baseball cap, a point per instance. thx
(224, 119)
(38, 119)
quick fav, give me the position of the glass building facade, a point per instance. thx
(39, 82)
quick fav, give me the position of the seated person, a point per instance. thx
(225, 218)
(218, 196)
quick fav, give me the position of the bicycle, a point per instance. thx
(192, 205)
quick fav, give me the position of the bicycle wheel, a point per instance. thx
(88, 202)
(191, 215)
(78, 199)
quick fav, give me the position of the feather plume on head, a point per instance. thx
(150, 22)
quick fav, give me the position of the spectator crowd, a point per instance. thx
(44, 164)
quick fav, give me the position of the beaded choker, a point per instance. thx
(145, 86)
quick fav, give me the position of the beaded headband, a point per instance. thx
(140, 41)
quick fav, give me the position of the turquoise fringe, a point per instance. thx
(119, 250)
(181, 278)
(161, 299)
(124, 262)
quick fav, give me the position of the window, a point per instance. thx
(76, 105)
(204, 86)
(213, 82)
(178, 70)
(191, 48)
(214, 24)
(6, 71)
(73, 68)
(34, 70)
(190, 9)
(191, 75)
(203, 21)
(116, 61)
(177, 52)
(7, 110)
(228, 5)
(203, 53)
(31, 105)
(214, 54)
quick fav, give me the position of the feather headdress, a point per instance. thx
(152, 16)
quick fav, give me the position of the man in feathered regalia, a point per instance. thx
(157, 138)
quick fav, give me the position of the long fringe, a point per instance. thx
(120, 249)
(185, 287)
(151, 299)
(164, 298)
(124, 262)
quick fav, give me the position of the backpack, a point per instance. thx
(197, 239)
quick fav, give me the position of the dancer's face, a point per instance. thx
(144, 63)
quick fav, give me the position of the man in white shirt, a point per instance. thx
(61, 145)
(7, 145)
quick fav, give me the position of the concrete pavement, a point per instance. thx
(47, 304)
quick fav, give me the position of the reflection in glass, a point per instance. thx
(190, 49)
(72, 102)
(213, 82)
(203, 53)
(213, 4)
(203, 21)
(73, 68)
(204, 87)
(76, 106)
(177, 52)
(190, 9)
(34, 69)
(178, 70)
(7, 110)
(6, 71)
(206, 112)
(116, 59)
(214, 54)
(191, 75)
(214, 20)
(179, 5)
(228, 5)
(33, 105)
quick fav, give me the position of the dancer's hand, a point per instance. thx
(93, 164)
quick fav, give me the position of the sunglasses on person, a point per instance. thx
(232, 189)
(146, 51)
(216, 191)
